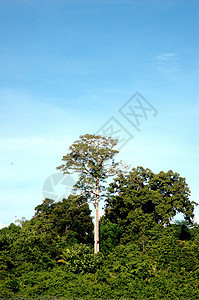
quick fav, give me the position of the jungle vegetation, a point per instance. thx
(144, 252)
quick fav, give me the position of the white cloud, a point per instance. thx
(23, 115)
(3, 225)
(35, 143)
(166, 56)
(196, 219)
(167, 63)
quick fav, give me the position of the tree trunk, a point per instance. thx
(96, 225)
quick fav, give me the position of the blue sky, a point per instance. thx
(67, 67)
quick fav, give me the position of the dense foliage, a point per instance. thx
(141, 199)
(144, 254)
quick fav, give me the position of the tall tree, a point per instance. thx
(92, 157)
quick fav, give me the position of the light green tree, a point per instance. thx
(92, 157)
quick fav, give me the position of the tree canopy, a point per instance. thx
(141, 199)
(145, 254)
(69, 217)
(92, 158)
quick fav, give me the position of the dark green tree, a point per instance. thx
(92, 157)
(140, 200)
(69, 217)
(109, 235)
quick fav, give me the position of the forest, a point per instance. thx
(145, 252)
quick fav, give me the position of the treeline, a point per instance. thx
(144, 254)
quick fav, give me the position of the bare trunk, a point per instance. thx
(96, 226)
